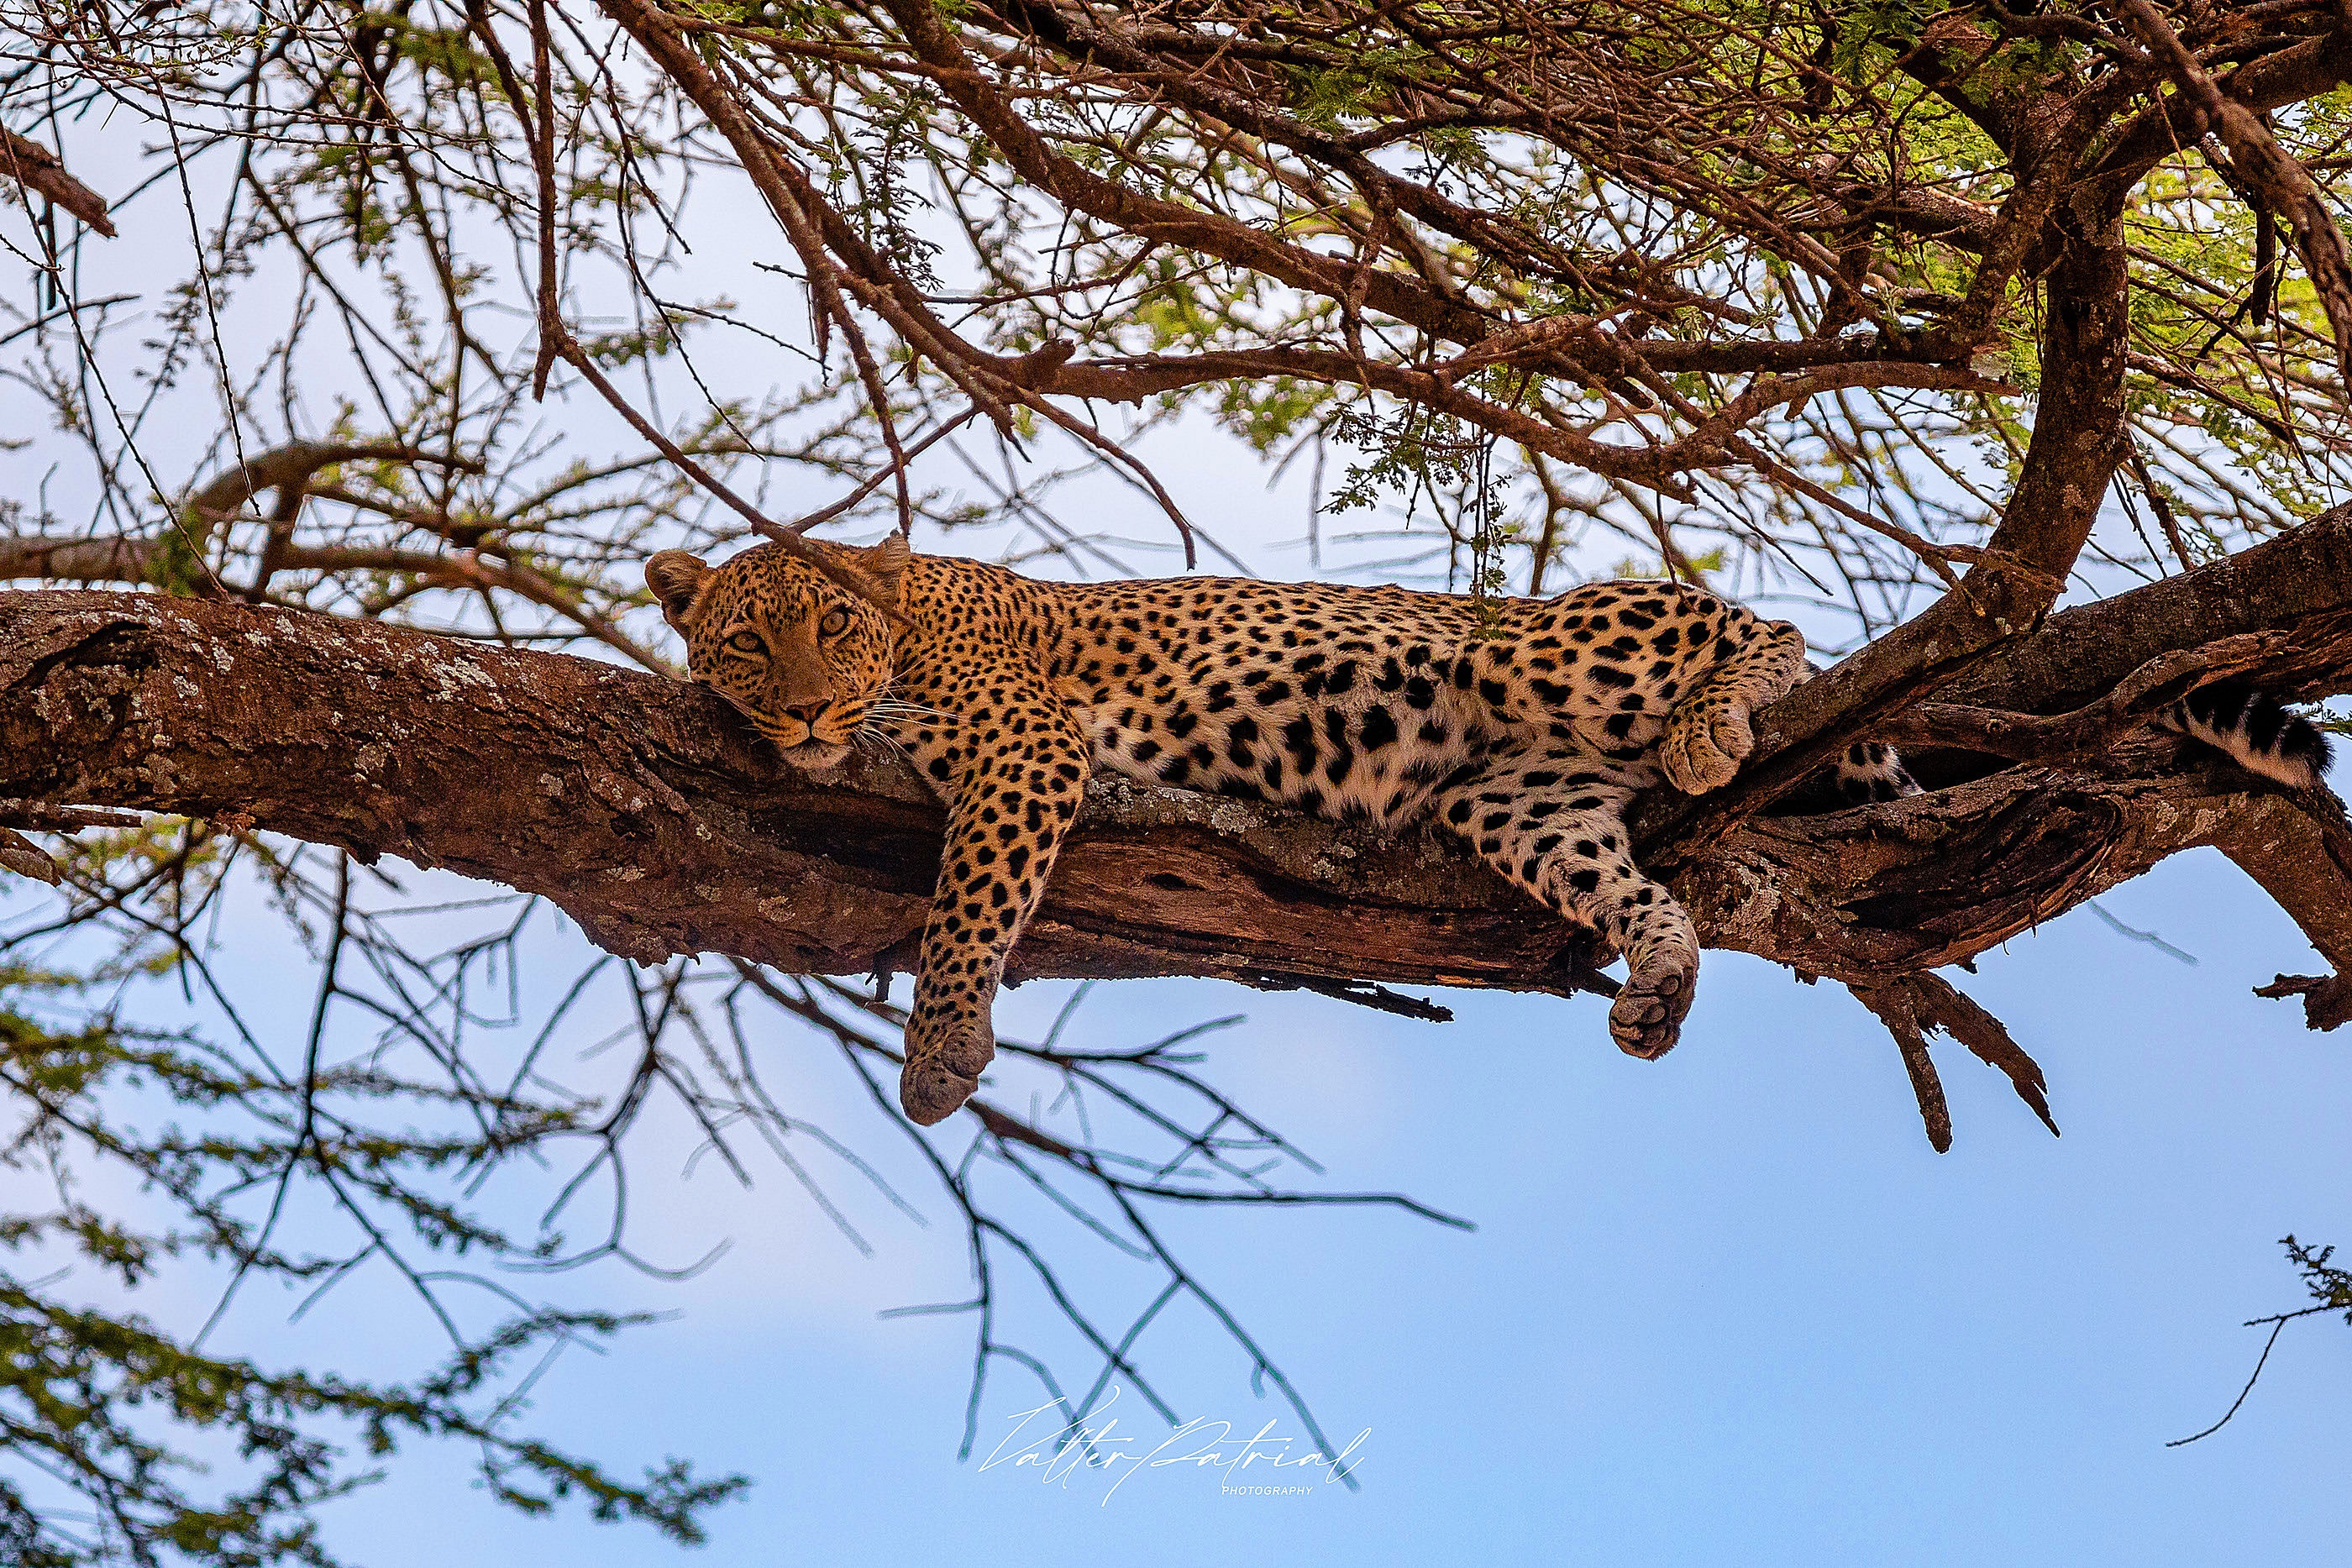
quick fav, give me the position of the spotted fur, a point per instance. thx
(1522, 726)
(2252, 728)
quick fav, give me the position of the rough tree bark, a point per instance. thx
(644, 811)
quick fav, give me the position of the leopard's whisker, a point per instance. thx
(888, 709)
(873, 741)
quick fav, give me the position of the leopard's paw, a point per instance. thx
(1647, 1016)
(932, 1091)
(945, 1054)
(1699, 753)
(1734, 735)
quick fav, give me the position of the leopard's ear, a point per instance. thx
(677, 580)
(884, 566)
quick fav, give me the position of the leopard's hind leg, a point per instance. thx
(1707, 736)
(1552, 819)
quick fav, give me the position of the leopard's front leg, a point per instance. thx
(1013, 768)
(1552, 821)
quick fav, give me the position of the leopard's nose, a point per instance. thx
(808, 713)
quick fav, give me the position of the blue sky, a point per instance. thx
(1728, 1307)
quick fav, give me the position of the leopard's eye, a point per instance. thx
(834, 623)
(747, 642)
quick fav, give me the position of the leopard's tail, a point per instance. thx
(1867, 770)
(2252, 727)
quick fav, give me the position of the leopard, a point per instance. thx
(1523, 728)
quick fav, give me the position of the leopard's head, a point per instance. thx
(804, 659)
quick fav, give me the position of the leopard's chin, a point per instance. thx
(816, 755)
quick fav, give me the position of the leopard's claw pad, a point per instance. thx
(1647, 1016)
(938, 1079)
(931, 1091)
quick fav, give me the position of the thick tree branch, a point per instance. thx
(648, 814)
(2300, 583)
(2077, 442)
(640, 807)
(115, 560)
(2092, 727)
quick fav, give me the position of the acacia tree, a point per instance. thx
(1922, 321)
